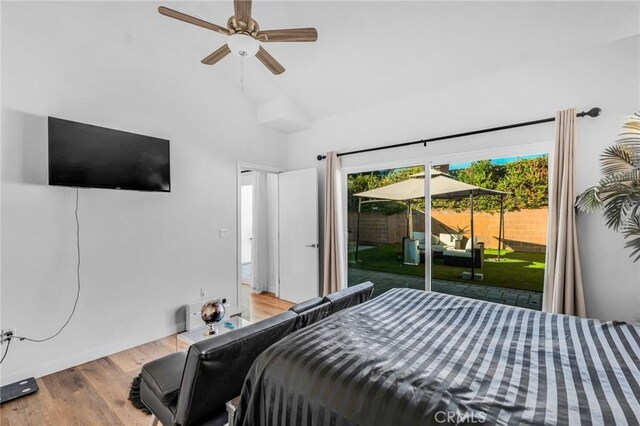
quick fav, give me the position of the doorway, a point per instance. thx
(278, 239)
(258, 232)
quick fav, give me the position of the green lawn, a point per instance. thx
(516, 269)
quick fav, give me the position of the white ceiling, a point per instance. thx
(367, 52)
(370, 52)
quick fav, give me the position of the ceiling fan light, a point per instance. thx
(243, 45)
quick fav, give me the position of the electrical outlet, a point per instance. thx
(7, 334)
(224, 233)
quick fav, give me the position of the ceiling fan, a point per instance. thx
(244, 35)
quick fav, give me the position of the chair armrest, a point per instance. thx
(163, 376)
(232, 407)
(298, 308)
(349, 296)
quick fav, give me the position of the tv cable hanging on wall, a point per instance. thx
(9, 336)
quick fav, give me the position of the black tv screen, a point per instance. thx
(82, 155)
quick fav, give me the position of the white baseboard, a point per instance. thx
(93, 354)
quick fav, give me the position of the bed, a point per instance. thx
(410, 357)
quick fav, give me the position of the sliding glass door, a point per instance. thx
(481, 235)
(489, 229)
(386, 228)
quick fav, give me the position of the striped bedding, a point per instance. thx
(411, 358)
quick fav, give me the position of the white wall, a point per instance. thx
(607, 76)
(143, 254)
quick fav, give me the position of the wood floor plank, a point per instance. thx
(96, 393)
(46, 401)
(82, 404)
(265, 305)
(130, 359)
(114, 389)
(156, 349)
(30, 409)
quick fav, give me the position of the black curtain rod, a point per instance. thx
(593, 112)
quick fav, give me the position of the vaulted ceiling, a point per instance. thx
(367, 51)
(370, 52)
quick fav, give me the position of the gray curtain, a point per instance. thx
(563, 290)
(334, 265)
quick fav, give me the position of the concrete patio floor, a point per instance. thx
(384, 281)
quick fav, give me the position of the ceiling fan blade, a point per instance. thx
(268, 61)
(217, 55)
(242, 10)
(192, 20)
(291, 34)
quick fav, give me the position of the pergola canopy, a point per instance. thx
(442, 187)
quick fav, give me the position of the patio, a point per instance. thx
(384, 281)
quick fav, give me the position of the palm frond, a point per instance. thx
(618, 159)
(631, 137)
(619, 206)
(631, 233)
(612, 211)
(632, 142)
(633, 126)
(589, 201)
(632, 205)
(620, 181)
(633, 123)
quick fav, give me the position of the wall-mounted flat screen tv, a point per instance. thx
(82, 155)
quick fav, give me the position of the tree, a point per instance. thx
(528, 181)
(525, 179)
(484, 174)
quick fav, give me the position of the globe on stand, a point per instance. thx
(212, 312)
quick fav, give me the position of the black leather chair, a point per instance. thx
(310, 311)
(193, 388)
(349, 297)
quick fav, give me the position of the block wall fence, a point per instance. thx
(524, 230)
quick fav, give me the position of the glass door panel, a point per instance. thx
(386, 224)
(488, 224)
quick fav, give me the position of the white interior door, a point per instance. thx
(299, 235)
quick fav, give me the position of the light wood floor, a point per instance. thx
(96, 393)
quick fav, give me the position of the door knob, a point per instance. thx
(313, 245)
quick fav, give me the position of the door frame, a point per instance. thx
(240, 166)
(427, 161)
